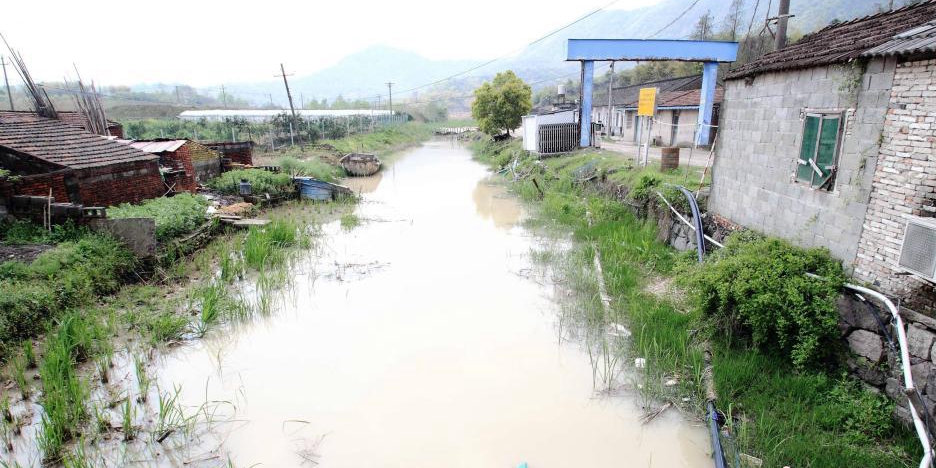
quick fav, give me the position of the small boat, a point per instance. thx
(360, 164)
(315, 189)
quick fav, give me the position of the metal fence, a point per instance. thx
(560, 138)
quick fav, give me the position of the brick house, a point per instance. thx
(185, 163)
(829, 142)
(78, 166)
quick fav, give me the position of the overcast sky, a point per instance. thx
(206, 43)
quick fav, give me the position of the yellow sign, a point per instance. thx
(646, 104)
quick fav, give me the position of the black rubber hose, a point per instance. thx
(696, 219)
(717, 451)
(718, 454)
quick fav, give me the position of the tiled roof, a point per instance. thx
(78, 119)
(672, 99)
(842, 42)
(625, 95)
(61, 143)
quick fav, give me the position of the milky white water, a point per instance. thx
(414, 340)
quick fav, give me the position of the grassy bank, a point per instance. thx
(788, 403)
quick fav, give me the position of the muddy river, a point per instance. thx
(416, 340)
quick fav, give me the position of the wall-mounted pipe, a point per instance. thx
(918, 424)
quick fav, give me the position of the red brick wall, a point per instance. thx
(239, 152)
(37, 185)
(130, 182)
(115, 130)
(181, 159)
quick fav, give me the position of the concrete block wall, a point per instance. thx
(759, 141)
(904, 183)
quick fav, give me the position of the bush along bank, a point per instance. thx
(781, 370)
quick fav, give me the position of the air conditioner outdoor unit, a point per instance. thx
(918, 252)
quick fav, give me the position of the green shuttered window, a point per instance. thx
(819, 150)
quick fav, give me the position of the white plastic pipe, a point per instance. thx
(918, 424)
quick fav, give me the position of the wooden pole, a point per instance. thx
(782, 16)
(288, 94)
(7, 81)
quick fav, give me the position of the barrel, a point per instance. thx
(670, 158)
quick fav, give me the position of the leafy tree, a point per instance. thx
(500, 104)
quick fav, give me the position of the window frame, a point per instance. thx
(831, 181)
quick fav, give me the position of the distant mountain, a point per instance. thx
(365, 73)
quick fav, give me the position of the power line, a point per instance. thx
(508, 54)
(674, 20)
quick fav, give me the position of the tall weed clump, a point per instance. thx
(261, 182)
(756, 290)
(315, 168)
(64, 395)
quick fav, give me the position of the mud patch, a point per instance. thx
(22, 253)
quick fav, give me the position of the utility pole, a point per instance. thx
(288, 94)
(7, 81)
(271, 100)
(782, 16)
(390, 89)
(301, 101)
(178, 96)
(223, 97)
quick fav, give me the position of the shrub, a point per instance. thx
(174, 216)
(261, 182)
(756, 289)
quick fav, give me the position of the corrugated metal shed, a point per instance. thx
(917, 40)
(155, 146)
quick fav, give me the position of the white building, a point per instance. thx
(265, 115)
(533, 123)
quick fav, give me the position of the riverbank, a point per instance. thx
(779, 411)
(83, 322)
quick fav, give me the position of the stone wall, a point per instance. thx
(904, 183)
(870, 334)
(759, 142)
